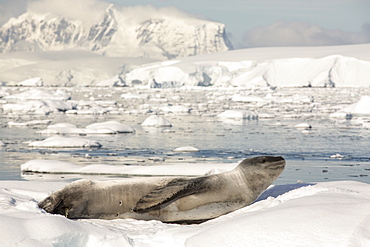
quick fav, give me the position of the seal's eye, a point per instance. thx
(263, 160)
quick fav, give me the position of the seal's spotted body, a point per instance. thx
(178, 199)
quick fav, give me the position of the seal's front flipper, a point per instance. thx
(162, 196)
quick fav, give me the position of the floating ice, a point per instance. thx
(341, 115)
(247, 98)
(361, 108)
(32, 82)
(156, 121)
(114, 126)
(336, 156)
(29, 123)
(303, 126)
(175, 109)
(134, 96)
(49, 166)
(235, 114)
(186, 149)
(40, 94)
(64, 142)
(62, 128)
(37, 101)
(37, 107)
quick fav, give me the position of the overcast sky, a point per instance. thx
(253, 23)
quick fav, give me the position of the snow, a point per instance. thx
(323, 214)
(309, 216)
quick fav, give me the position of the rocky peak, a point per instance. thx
(114, 34)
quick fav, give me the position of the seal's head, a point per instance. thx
(262, 171)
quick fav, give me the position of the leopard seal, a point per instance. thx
(168, 199)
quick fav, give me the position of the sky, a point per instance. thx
(249, 23)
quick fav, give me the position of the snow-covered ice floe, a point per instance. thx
(237, 114)
(37, 101)
(64, 142)
(29, 123)
(114, 126)
(108, 127)
(38, 107)
(186, 149)
(185, 169)
(324, 214)
(39, 94)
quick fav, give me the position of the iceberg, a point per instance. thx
(156, 121)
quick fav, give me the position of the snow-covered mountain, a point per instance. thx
(116, 34)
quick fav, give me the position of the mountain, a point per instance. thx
(115, 34)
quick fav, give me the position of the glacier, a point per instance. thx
(333, 66)
(244, 69)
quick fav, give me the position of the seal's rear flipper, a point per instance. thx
(162, 196)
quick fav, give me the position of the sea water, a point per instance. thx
(327, 151)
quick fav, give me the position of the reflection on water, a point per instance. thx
(307, 153)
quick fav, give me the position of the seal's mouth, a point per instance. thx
(275, 162)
